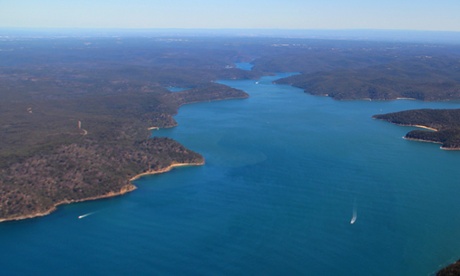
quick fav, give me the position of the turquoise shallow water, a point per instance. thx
(284, 172)
(176, 89)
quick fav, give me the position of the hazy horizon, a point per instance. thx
(338, 34)
(256, 14)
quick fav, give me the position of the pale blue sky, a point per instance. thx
(271, 14)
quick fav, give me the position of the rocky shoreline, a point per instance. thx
(125, 189)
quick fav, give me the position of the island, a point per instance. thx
(440, 126)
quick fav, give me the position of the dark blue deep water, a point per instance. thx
(284, 173)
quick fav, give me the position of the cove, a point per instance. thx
(285, 173)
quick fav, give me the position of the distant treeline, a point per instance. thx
(423, 78)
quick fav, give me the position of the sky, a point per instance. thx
(432, 15)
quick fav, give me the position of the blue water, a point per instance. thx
(247, 66)
(176, 89)
(284, 173)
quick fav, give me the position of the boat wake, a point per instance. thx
(85, 215)
(355, 214)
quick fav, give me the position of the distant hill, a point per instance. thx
(423, 78)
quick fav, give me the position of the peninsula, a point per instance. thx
(77, 128)
(450, 270)
(440, 126)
